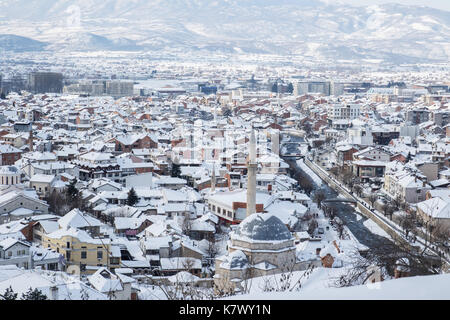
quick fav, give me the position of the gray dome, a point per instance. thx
(235, 260)
(263, 227)
(9, 170)
(238, 260)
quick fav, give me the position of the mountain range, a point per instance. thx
(324, 30)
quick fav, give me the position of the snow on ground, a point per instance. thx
(320, 278)
(309, 172)
(151, 292)
(435, 287)
(374, 228)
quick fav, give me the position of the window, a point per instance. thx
(99, 255)
(83, 254)
(68, 244)
(68, 256)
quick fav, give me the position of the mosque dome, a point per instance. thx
(235, 260)
(263, 227)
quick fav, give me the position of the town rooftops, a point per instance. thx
(229, 197)
(435, 208)
(42, 178)
(77, 219)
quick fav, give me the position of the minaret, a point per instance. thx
(275, 138)
(251, 175)
(213, 179)
(30, 142)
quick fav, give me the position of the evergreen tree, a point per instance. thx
(2, 96)
(408, 158)
(73, 197)
(132, 198)
(72, 191)
(175, 170)
(275, 87)
(290, 88)
(34, 295)
(9, 294)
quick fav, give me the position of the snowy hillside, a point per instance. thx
(310, 28)
(320, 287)
(18, 43)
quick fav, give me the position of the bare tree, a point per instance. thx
(248, 273)
(334, 171)
(358, 189)
(222, 287)
(339, 225)
(407, 223)
(387, 209)
(385, 258)
(441, 233)
(319, 196)
(347, 178)
(397, 202)
(184, 287)
(304, 182)
(373, 198)
(58, 203)
(186, 225)
(282, 282)
(212, 250)
(312, 226)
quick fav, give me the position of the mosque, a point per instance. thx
(260, 245)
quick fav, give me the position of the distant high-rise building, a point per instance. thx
(417, 116)
(119, 88)
(45, 82)
(311, 86)
(343, 112)
(114, 88)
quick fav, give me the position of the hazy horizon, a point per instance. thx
(438, 4)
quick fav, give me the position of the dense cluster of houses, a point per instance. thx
(396, 149)
(161, 184)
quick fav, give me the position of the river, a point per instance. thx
(345, 212)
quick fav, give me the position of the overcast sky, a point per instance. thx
(439, 4)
